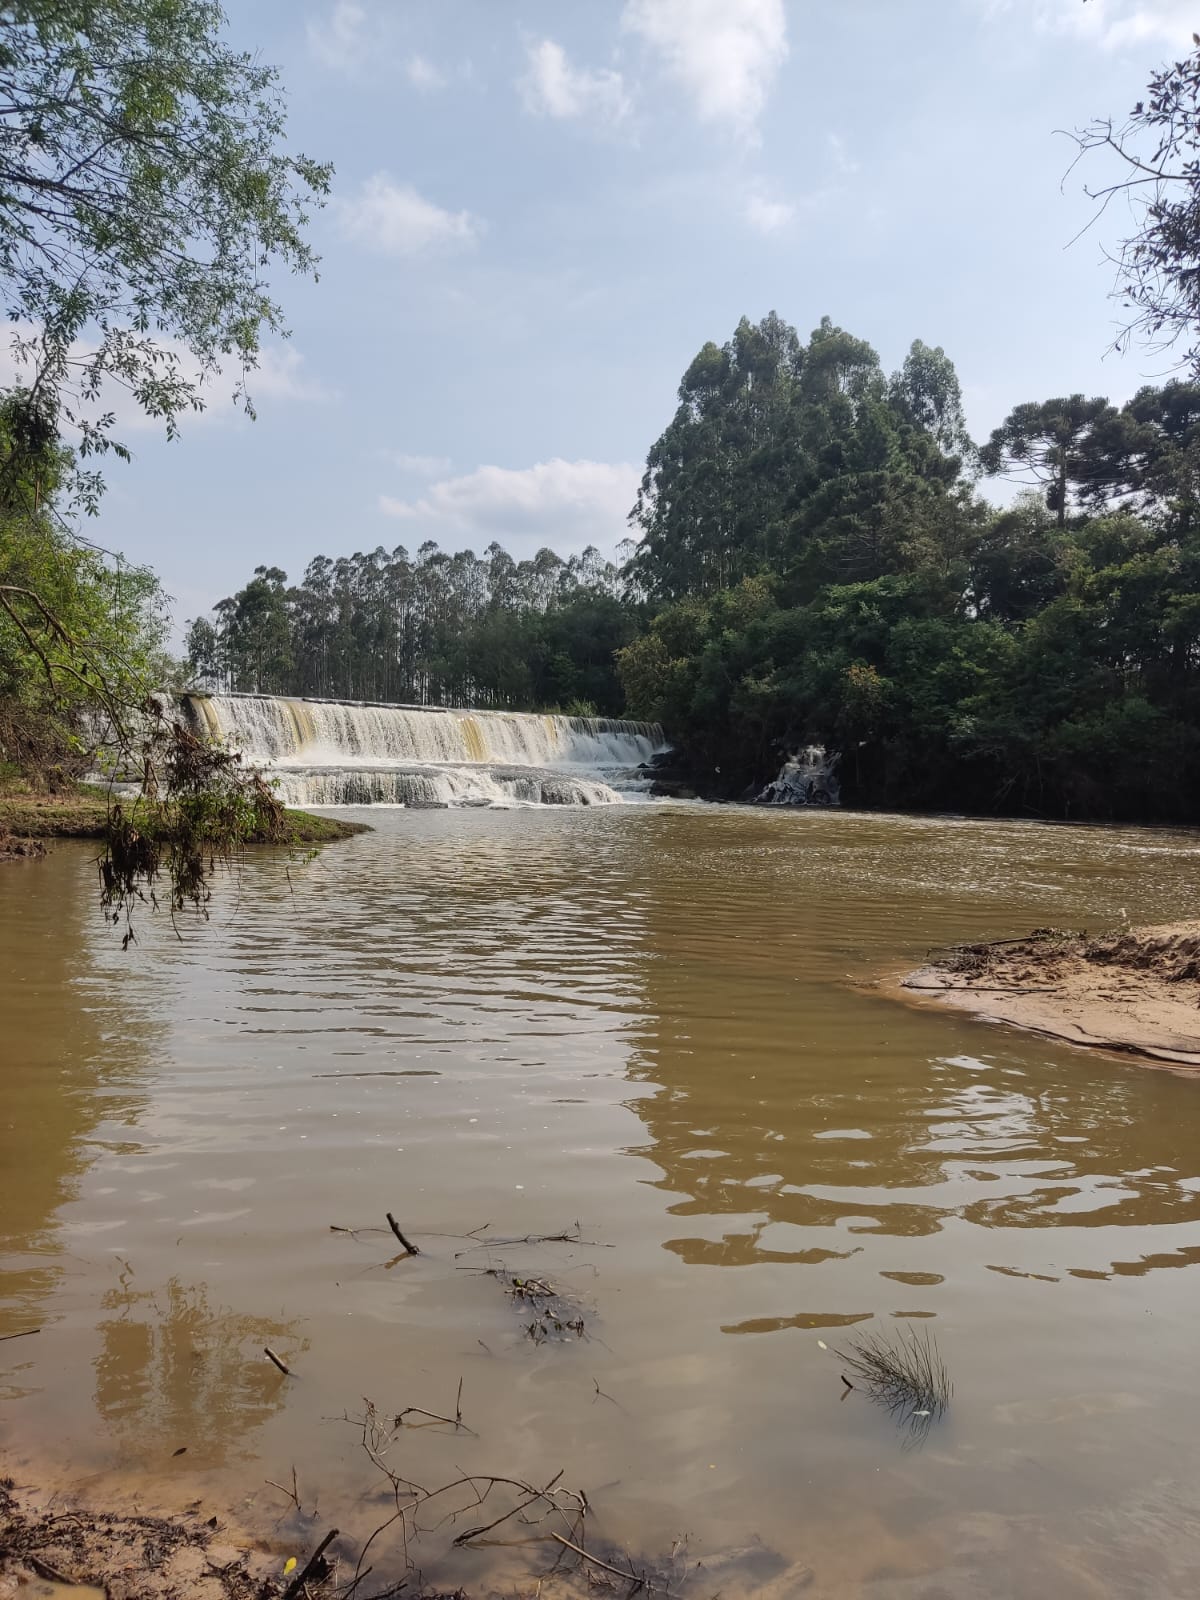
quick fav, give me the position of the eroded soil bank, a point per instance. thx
(1136, 991)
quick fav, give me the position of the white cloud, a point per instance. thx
(280, 375)
(422, 74)
(1117, 24)
(766, 214)
(340, 40)
(725, 53)
(1110, 24)
(552, 87)
(394, 218)
(568, 504)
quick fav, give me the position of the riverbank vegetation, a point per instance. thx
(817, 563)
(148, 190)
(824, 568)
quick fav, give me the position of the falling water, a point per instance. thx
(806, 778)
(334, 753)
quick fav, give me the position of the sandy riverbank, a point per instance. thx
(1135, 991)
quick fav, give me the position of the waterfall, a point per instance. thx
(331, 753)
(805, 779)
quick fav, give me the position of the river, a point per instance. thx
(645, 1026)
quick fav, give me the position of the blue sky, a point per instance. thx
(542, 210)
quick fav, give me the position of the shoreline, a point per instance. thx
(28, 821)
(1135, 992)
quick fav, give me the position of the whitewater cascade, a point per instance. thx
(341, 753)
(805, 779)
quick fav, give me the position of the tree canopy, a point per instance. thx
(145, 196)
(840, 580)
(427, 629)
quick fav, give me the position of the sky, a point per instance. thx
(542, 210)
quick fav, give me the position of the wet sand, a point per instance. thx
(1136, 991)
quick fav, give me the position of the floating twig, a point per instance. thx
(571, 1235)
(24, 1334)
(629, 1577)
(281, 1364)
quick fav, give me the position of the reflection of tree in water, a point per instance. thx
(74, 1054)
(173, 1371)
(778, 1113)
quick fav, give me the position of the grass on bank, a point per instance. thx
(80, 813)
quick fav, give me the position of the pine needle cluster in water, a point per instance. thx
(904, 1372)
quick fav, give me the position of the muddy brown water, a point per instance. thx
(647, 1020)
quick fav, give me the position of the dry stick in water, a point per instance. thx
(629, 1577)
(271, 1356)
(293, 1493)
(24, 1334)
(395, 1227)
(310, 1566)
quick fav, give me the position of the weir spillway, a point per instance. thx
(344, 753)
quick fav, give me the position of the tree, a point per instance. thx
(202, 644)
(928, 391)
(146, 194)
(145, 198)
(1156, 153)
(1046, 444)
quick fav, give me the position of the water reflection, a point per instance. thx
(787, 1118)
(653, 1024)
(173, 1373)
(72, 1066)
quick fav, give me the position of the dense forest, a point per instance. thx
(823, 568)
(816, 563)
(437, 629)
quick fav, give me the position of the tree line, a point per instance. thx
(431, 629)
(815, 562)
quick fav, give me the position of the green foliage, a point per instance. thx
(802, 462)
(147, 200)
(437, 629)
(1152, 169)
(80, 633)
(145, 192)
(1043, 658)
